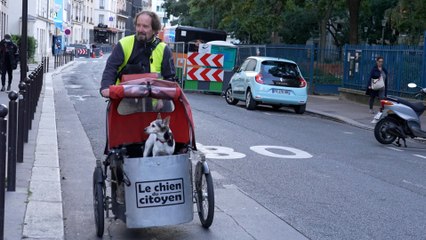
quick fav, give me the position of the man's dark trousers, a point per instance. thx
(6, 69)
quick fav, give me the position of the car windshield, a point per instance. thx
(276, 69)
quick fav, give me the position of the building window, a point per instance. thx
(101, 4)
(101, 18)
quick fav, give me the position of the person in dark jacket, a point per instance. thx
(8, 51)
(376, 72)
(140, 53)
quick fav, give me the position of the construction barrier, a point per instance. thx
(96, 52)
(82, 52)
(204, 72)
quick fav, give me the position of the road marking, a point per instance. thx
(220, 152)
(79, 97)
(297, 153)
(420, 156)
(395, 149)
(414, 184)
(348, 133)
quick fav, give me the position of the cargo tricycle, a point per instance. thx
(150, 191)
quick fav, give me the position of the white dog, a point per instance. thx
(160, 141)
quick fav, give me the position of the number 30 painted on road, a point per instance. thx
(220, 152)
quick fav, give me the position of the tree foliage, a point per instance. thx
(297, 21)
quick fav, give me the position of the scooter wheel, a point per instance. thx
(380, 130)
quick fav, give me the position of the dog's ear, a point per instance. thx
(166, 121)
(158, 116)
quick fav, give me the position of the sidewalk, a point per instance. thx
(34, 211)
(346, 111)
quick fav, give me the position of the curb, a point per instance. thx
(339, 118)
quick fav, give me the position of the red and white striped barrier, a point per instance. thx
(205, 59)
(205, 74)
(81, 51)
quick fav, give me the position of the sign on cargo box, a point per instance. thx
(160, 193)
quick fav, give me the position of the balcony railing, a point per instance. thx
(123, 13)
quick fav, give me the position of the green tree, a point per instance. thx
(299, 25)
(31, 45)
(179, 9)
(353, 6)
(408, 18)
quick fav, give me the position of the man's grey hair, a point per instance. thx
(155, 20)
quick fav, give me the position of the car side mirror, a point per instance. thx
(236, 69)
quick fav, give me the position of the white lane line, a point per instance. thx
(350, 133)
(420, 156)
(395, 149)
(413, 184)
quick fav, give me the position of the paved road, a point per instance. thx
(341, 185)
(305, 176)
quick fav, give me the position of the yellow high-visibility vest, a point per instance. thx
(155, 59)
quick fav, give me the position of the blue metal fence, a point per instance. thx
(328, 69)
(403, 63)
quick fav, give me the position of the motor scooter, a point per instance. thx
(399, 119)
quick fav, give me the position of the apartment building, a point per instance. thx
(57, 23)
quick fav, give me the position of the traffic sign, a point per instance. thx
(205, 74)
(81, 51)
(205, 59)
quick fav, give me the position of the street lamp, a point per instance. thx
(384, 21)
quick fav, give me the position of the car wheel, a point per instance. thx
(229, 98)
(300, 109)
(250, 102)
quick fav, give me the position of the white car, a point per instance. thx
(271, 81)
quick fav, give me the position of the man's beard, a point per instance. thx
(142, 37)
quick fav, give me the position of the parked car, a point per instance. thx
(272, 81)
(78, 49)
(69, 49)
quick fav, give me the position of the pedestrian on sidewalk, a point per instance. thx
(378, 71)
(8, 51)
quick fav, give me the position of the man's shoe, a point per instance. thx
(8, 87)
(2, 89)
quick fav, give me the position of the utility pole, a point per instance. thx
(23, 49)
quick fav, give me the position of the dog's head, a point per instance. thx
(158, 126)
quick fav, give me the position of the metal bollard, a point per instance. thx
(39, 86)
(27, 97)
(11, 142)
(21, 123)
(33, 100)
(3, 130)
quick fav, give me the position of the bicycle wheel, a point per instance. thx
(98, 203)
(205, 199)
